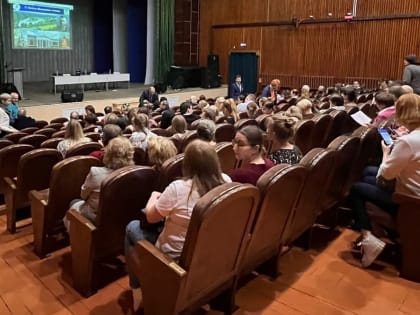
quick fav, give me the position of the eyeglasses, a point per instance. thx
(240, 143)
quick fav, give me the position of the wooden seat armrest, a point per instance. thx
(39, 196)
(78, 221)
(405, 198)
(161, 278)
(150, 251)
(10, 183)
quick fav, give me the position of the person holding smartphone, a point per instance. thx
(402, 163)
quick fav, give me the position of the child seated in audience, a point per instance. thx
(175, 204)
(73, 135)
(160, 149)
(248, 146)
(141, 131)
(401, 161)
(118, 153)
(280, 130)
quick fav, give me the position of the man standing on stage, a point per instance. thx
(236, 88)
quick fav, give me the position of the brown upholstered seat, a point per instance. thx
(15, 136)
(58, 134)
(33, 140)
(408, 228)
(95, 136)
(84, 148)
(51, 143)
(4, 143)
(280, 188)
(319, 163)
(92, 128)
(56, 126)
(224, 132)
(351, 124)
(245, 122)
(320, 130)
(243, 115)
(29, 130)
(33, 172)
(46, 132)
(123, 194)
(338, 122)
(9, 159)
(60, 120)
(370, 149)
(361, 99)
(140, 156)
(347, 149)
(226, 156)
(50, 205)
(187, 139)
(170, 170)
(210, 258)
(40, 123)
(303, 135)
(161, 132)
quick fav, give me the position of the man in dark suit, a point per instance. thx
(236, 88)
(150, 96)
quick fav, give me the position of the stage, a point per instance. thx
(41, 103)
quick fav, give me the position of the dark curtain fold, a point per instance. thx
(164, 40)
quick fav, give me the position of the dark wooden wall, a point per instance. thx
(186, 32)
(323, 49)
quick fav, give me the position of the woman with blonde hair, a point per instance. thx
(118, 153)
(400, 162)
(160, 149)
(73, 135)
(294, 111)
(175, 205)
(305, 106)
(141, 131)
(280, 130)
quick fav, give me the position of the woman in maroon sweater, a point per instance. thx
(248, 147)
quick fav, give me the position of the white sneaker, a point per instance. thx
(371, 248)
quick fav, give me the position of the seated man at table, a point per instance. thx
(150, 96)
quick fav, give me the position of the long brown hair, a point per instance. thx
(201, 165)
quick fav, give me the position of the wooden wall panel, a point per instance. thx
(362, 50)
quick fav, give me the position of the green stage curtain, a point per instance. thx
(164, 40)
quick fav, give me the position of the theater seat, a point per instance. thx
(46, 132)
(171, 170)
(303, 135)
(224, 132)
(33, 172)
(84, 148)
(216, 236)
(51, 143)
(33, 140)
(226, 156)
(50, 205)
(123, 194)
(280, 188)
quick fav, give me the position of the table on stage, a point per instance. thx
(89, 78)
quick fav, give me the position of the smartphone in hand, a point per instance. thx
(385, 136)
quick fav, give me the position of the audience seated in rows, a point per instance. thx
(248, 146)
(175, 204)
(280, 130)
(118, 153)
(73, 135)
(401, 163)
(5, 120)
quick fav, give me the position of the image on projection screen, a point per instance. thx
(41, 25)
